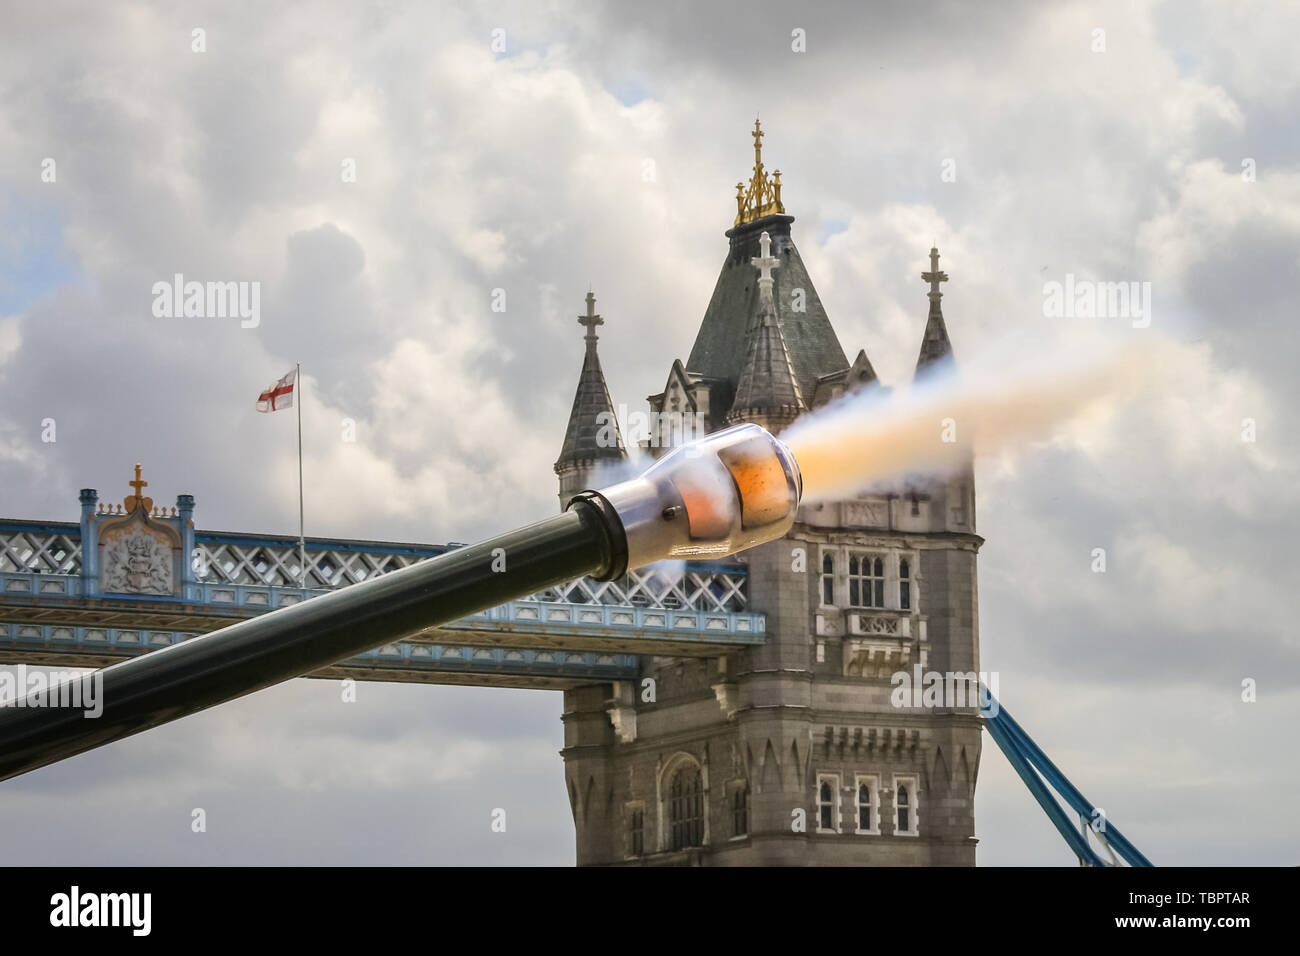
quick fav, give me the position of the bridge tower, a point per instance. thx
(804, 750)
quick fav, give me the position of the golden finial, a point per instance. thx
(763, 197)
(137, 500)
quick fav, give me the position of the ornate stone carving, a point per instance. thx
(886, 623)
(137, 554)
(875, 658)
(138, 562)
(866, 514)
(879, 625)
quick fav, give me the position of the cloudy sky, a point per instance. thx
(600, 148)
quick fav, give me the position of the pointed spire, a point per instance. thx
(593, 431)
(767, 391)
(934, 344)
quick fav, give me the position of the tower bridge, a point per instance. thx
(715, 713)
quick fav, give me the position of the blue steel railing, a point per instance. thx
(526, 614)
(251, 573)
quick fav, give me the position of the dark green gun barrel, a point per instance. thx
(176, 681)
(725, 492)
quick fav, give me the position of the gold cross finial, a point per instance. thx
(139, 484)
(137, 500)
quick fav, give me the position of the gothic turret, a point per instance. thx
(935, 346)
(593, 435)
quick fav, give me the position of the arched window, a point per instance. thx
(904, 584)
(686, 808)
(740, 812)
(828, 578)
(866, 581)
(826, 804)
(868, 804)
(904, 802)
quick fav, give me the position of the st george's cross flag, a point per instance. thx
(279, 395)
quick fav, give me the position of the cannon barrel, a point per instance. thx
(706, 499)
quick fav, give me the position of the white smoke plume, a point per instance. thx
(1000, 399)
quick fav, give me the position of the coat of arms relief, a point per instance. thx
(138, 563)
(136, 552)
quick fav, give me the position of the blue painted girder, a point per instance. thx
(1029, 761)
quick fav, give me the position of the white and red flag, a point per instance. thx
(279, 395)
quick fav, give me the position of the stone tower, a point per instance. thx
(804, 750)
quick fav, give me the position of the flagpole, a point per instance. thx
(302, 541)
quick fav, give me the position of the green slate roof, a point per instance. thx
(720, 345)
